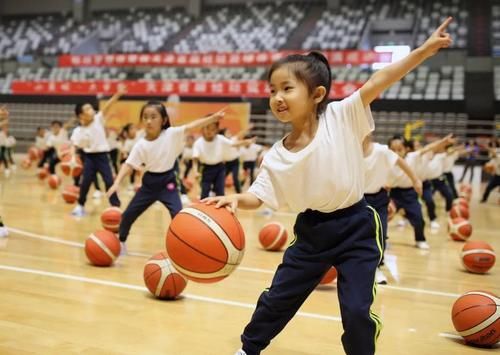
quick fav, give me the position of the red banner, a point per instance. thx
(252, 89)
(352, 57)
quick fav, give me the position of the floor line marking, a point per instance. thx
(144, 289)
(242, 268)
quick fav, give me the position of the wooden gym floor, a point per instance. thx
(53, 302)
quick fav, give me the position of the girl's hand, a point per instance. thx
(418, 186)
(111, 190)
(230, 202)
(439, 39)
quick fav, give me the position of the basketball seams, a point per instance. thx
(478, 251)
(193, 248)
(492, 319)
(224, 271)
(277, 240)
(233, 257)
(103, 246)
(240, 229)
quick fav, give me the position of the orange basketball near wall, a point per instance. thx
(273, 236)
(476, 317)
(161, 279)
(102, 248)
(478, 257)
(205, 243)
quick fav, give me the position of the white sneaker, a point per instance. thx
(185, 200)
(240, 352)
(422, 245)
(123, 249)
(6, 172)
(4, 232)
(435, 225)
(78, 211)
(380, 277)
(97, 194)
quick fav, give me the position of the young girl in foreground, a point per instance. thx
(318, 171)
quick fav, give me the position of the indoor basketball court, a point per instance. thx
(91, 261)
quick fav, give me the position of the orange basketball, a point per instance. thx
(161, 279)
(26, 163)
(461, 201)
(205, 243)
(329, 276)
(54, 181)
(459, 211)
(478, 257)
(273, 236)
(33, 153)
(459, 229)
(102, 248)
(71, 165)
(71, 193)
(229, 181)
(476, 317)
(391, 210)
(43, 173)
(111, 218)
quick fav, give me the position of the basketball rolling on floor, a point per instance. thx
(52, 301)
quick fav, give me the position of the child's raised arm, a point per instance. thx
(122, 90)
(201, 122)
(389, 75)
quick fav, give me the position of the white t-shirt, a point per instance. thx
(434, 168)
(378, 167)
(187, 153)
(41, 142)
(129, 144)
(213, 152)
(251, 152)
(159, 155)
(56, 140)
(11, 142)
(326, 175)
(415, 161)
(232, 153)
(449, 161)
(92, 138)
